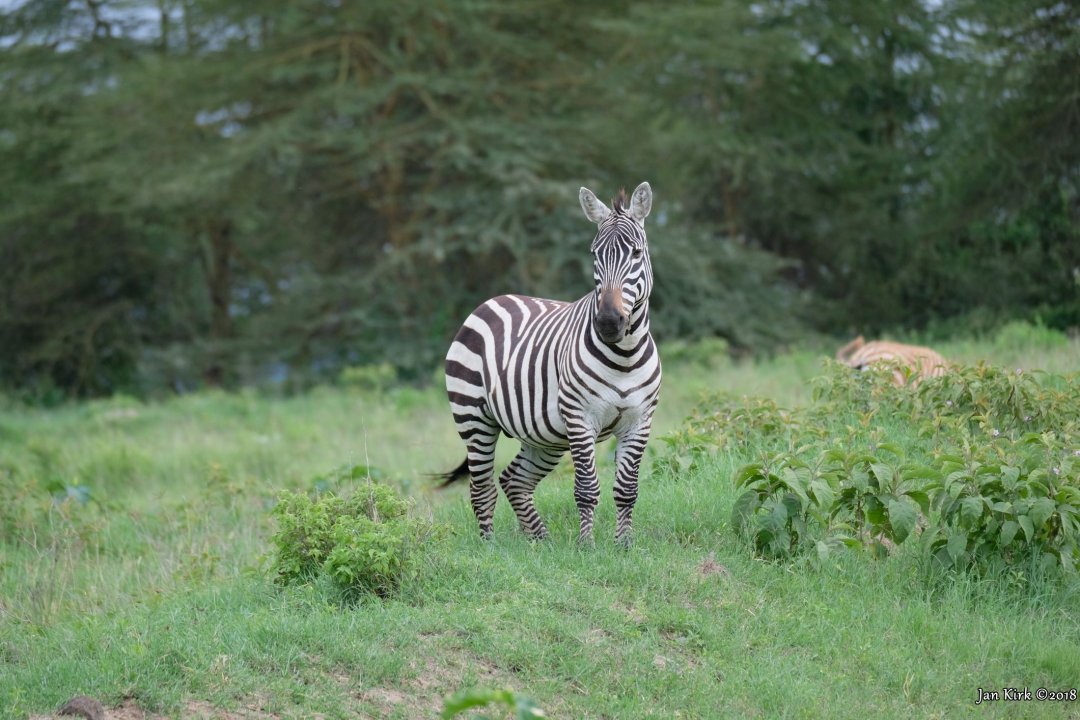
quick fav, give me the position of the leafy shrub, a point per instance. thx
(1020, 336)
(983, 467)
(32, 510)
(369, 378)
(707, 353)
(364, 542)
(726, 421)
(1006, 500)
(838, 499)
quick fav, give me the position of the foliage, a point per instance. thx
(364, 542)
(214, 193)
(983, 467)
(370, 378)
(1020, 336)
(521, 707)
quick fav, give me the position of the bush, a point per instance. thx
(370, 378)
(1019, 336)
(364, 542)
(982, 466)
(708, 353)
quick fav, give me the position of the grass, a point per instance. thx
(155, 592)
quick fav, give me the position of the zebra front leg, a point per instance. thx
(519, 481)
(482, 490)
(627, 467)
(586, 488)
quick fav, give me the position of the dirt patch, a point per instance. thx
(709, 567)
(433, 680)
(127, 710)
(632, 613)
(596, 636)
(202, 710)
(130, 710)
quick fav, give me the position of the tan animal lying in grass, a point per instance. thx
(919, 361)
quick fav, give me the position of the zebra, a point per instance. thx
(913, 360)
(562, 376)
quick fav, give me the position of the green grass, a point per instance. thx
(156, 590)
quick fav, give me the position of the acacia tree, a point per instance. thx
(212, 191)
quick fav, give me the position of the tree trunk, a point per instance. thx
(218, 266)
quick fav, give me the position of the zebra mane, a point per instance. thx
(620, 203)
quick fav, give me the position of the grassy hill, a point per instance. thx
(135, 567)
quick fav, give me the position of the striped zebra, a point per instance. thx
(562, 376)
(917, 361)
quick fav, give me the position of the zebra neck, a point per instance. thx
(637, 334)
(639, 322)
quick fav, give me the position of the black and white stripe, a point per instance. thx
(562, 376)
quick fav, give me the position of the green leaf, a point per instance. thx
(1009, 476)
(796, 480)
(823, 494)
(875, 511)
(793, 505)
(892, 448)
(474, 699)
(1009, 528)
(903, 514)
(921, 498)
(957, 544)
(747, 473)
(884, 474)
(1067, 563)
(860, 479)
(1026, 524)
(971, 510)
(921, 472)
(1040, 511)
(776, 517)
(743, 509)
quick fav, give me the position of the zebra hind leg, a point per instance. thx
(482, 490)
(519, 481)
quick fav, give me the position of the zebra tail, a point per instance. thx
(459, 473)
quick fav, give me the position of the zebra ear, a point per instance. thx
(594, 209)
(641, 202)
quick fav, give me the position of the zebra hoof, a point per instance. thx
(586, 542)
(625, 542)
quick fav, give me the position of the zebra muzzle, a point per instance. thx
(611, 318)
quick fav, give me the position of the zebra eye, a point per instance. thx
(637, 252)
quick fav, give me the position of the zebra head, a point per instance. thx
(621, 266)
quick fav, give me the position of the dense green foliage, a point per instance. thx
(363, 542)
(982, 454)
(206, 192)
(137, 561)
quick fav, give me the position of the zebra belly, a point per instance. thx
(530, 413)
(513, 350)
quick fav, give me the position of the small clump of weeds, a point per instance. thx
(363, 540)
